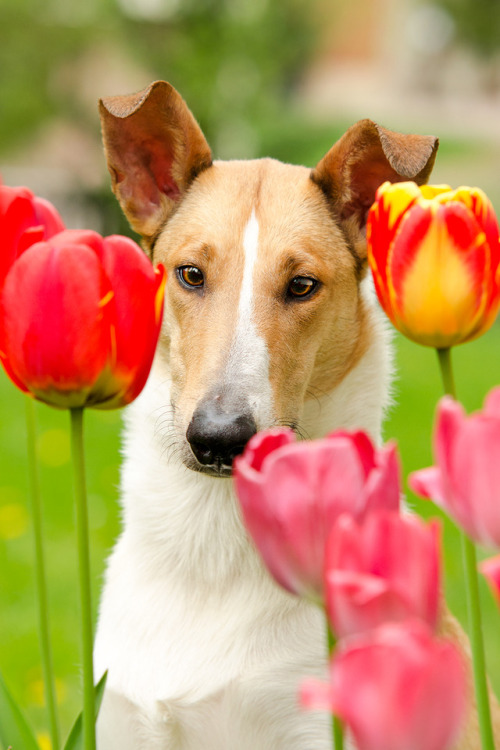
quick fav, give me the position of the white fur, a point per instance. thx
(203, 649)
(248, 364)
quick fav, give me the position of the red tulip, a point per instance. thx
(434, 253)
(466, 480)
(291, 494)
(79, 320)
(397, 688)
(383, 569)
(24, 220)
(491, 571)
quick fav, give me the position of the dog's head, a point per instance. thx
(264, 263)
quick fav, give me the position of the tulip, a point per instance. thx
(291, 493)
(396, 688)
(383, 569)
(24, 220)
(491, 571)
(79, 320)
(434, 253)
(466, 481)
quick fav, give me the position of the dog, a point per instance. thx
(270, 319)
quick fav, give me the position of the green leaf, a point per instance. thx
(15, 732)
(75, 739)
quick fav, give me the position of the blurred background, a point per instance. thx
(281, 78)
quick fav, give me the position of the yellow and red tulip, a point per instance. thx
(80, 317)
(434, 253)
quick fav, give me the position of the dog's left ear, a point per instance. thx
(366, 156)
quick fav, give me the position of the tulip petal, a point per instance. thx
(428, 483)
(136, 289)
(492, 403)
(383, 486)
(315, 694)
(397, 687)
(384, 568)
(59, 355)
(391, 204)
(47, 215)
(490, 569)
(450, 420)
(264, 443)
(476, 479)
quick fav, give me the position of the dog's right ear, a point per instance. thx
(155, 149)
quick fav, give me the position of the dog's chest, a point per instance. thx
(208, 669)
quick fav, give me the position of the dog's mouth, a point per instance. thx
(217, 469)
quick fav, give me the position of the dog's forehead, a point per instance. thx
(290, 209)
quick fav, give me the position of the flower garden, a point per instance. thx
(342, 536)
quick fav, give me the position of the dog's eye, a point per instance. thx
(191, 276)
(301, 286)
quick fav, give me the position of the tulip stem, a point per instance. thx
(337, 728)
(472, 595)
(41, 575)
(82, 531)
(477, 644)
(445, 366)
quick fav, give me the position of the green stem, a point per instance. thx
(82, 531)
(41, 576)
(477, 645)
(472, 595)
(444, 357)
(337, 728)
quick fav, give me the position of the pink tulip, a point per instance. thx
(491, 571)
(383, 569)
(291, 493)
(466, 480)
(396, 688)
(24, 220)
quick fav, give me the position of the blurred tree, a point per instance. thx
(477, 23)
(236, 61)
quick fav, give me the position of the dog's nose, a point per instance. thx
(216, 437)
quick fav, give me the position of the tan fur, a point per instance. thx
(192, 212)
(320, 339)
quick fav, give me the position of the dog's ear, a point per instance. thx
(366, 156)
(155, 149)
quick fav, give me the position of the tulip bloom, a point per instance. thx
(397, 688)
(466, 481)
(434, 253)
(79, 320)
(24, 220)
(383, 569)
(291, 493)
(491, 571)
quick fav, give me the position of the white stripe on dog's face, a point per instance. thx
(248, 363)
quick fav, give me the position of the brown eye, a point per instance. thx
(301, 286)
(191, 276)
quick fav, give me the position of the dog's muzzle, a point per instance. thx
(217, 436)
